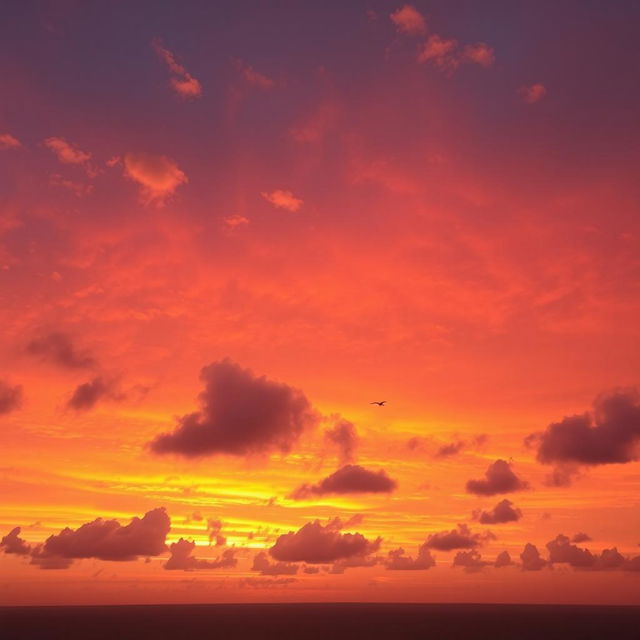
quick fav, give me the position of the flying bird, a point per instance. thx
(380, 404)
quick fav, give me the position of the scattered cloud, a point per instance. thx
(503, 512)
(471, 561)
(241, 414)
(253, 77)
(12, 543)
(181, 558)
(262, 564)
(182, 82)
(283, 199)
(235, 221)
(503, 559)
(440, 52)
(533, 93)
(214, 527)
(10, 397)
(7, 141)
(66, 152)
(499, 478)
(157, 176)
(345, 437)
(581, 537)
(80, 189)
(480, 53)
(59, 349)
(531, 559)
(87, 395)
(459, 538)
(398, 561)
(409, 20)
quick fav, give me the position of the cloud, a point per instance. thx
(581, 537)
(451, 449)
(440, 52)
(283, 200)
(66, 152)
(471, 561)
(504, 511)
(12, 543)
(241, 414)
(499, 478)
(262, 564)
(318, 544)
(7, 141)
(58, 348)
(398, 561)
(480, 53)
(610, 434)
(409, 20)
(344, 435)
(106, 540)
(531, 559)
(252, 77)
(182, 82)
(503, 559)
(561, 550)
(158, 176)
(316, 126)
(10, 397)
(533, 93)
(214, 527)
(78, 188)
(87, 395)
(351, 478)
(182, 560)
(459, 538)
(234, 222)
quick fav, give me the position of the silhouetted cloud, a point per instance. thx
(581, 537)
(499, 478)
(214, 527)
(351, 478)
(531, 559)
(504, 511)
(317, 544)
(58, 348)
(12, 543)
(451, 449)
(182, 82)
(409, 20)
(561, 550)
(398, 561)
(241, 414)
(182, 560)
(503, 559)
(471, 561)
(262, 564)
(10, 397)
(344, 435)
(459, 538)
(87, 395)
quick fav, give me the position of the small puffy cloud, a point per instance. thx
(449, 450)
(499, 478)
(105, 540)
(234, 222)
(610, 434)
(10, 397)
(561, 550)
(240, 414)
(182, 560)
(504, 511)
(262, 564)
(253, 77)
(283, 199)
(409, 20)
(182, 82)
(7, 141)
(533, 93)
(459, 538)
(345, 437)
(317, 544)
(214, 527)
(531, 559)
(440, 52)
(12, 543)
(351, 478)
(398, 561)
(480, 53)
(471, 561)
(87, 395)
(66, 152)
(59, 349)
(157, 176)
(581, 537)
(503, 559)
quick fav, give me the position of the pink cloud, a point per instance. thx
(7, 141)
(253, 77)
(158, 176)
(440, 52)
(283, 200)
(235, 221)
(533, 93)
(480, 53)
(66, 152)
(182, 82)
(409, 20)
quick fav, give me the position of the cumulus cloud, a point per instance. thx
(504, 511)
(66, 152)
(262, 564)
(241, 414)
(214, 527)
(480, 53)
(398, 561)
(87, 395)
(531, 559)
(157, 176)
(283, 199)
(59, 349)
(459, 538)
(499, 478)
(610, 434)
(440, 52)
(10, 397)
(581, 537)
(533, 93)
(105, 540)
(182, 82)
(182, 560)
(503, 559)
(345, 437)
(351, 478)
(317, 544)
(7, 141)
(561, 550)
(471, 561)
(409, 20)
(12, 543)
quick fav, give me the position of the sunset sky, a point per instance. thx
(226, 228)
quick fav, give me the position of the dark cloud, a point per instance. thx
(241, 414)
(351, 478)
(562, 551)
(581, 537)
(504, 511)
(107, 540)
(10, 397)
(262, 564)
(503, 559)
(451, 449)
(531, 558)
(214, 527)
(471, 561)
(609, 434)
(182, 560)
(343, 435)
(58, 348)
(311, 570)
(459, 538)
(318, 544)
(87, 395)
(448, 450)
(499, 478)
(12, 543)
(398, 561)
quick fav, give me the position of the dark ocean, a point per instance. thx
(326, 621)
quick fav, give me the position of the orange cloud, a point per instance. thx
(480, 53)
(66, 152)
(182, 82)
(7, 141)
(439, 52)
(533, 93)
(158, 176)
(283, 199)
(409, 20)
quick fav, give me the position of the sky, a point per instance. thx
(228, 228)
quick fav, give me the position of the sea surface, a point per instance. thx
(326, 621)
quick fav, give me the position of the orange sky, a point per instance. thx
(227, 228)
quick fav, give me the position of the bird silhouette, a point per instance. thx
(380, 404)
